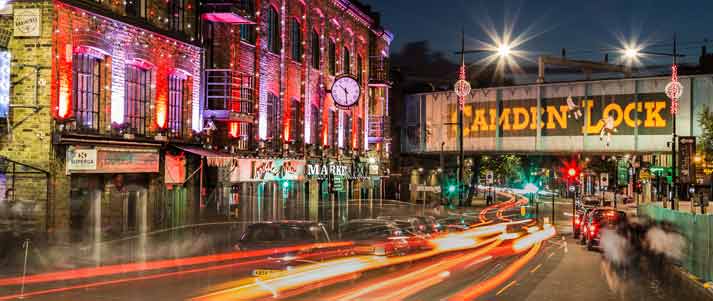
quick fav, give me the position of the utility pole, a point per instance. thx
(460, 121)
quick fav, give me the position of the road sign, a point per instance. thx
(687, 150)
(604, 180)
(427, 188)
(338, 184)
(489, 177)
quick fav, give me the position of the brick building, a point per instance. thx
(101, 92)
(269, 67)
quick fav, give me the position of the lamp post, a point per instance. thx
(674, 91)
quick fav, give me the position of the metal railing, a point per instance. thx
(243, 8)
(379, 70)
(230, 90)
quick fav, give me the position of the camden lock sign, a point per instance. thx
(27, 22)
(570, 116)
(325, 170)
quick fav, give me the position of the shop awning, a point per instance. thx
(214, 158)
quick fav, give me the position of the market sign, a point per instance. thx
(255, 170)
(336, 169)
(111, 160)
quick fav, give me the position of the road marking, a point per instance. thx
(536, 268)
(506, 287)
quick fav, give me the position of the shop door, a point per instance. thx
(177, 206)
(84, 208)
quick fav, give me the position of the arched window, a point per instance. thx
(296, 40)
(178, 95)
(274, 116)
(316, 51)
(89, 72)
(347, 61)
(295, 129)
(332, 57)
(137, 90)
(273, 30)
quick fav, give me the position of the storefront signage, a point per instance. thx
(335, 169)
(81, 159)
(558, 117)
(253, 170)
(687, 151)
(27, 22)
(112, 160)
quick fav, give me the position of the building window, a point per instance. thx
(177, 15)
(137, 85)
(273, 30)
(347, 61)
(360, 69)
(177, 96)
(316, 51)
(316, 121)
(247, 31)
(347, 131)
(135, 8)
(87, 76)
(296, 40)
(332, 58)
(333, 129)
(274, 116)
(295, 127)
(359, 133)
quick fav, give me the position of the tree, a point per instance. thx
(705, 141)
(504, 167)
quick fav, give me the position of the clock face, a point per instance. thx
(346, 91)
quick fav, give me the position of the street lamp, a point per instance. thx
(674, 90)
(462, 89)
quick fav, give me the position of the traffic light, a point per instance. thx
(452, 188)
(571, 171)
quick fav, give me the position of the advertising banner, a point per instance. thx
(254, 170)
(111, 160)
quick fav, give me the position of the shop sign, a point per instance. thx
(252, 170)
(373, 169)
(174, 169)
(27, 22)
(112, 160)
(335, 169)
(81, 159)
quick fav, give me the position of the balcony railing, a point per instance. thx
(379, 70)
(230, 11)
(379, 128)
(230, 95)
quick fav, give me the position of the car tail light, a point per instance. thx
(592, 228)
(576, 220)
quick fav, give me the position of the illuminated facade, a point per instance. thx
(115, 90)
(269, 65)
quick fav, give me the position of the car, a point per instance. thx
(381, 237)
(578, 220)
(416, 225)
(456, 223)
(597, 220)
(269, 235)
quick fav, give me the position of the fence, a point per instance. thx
(698, 230)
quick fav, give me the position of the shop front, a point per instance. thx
(336, 191)
(266, 190)
(111, 191)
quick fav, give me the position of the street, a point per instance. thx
(477, 264)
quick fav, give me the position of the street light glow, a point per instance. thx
(631, 53)
(504, 50)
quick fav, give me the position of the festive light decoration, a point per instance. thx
(233, 130)
(674, 89)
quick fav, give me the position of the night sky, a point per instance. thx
(585, 28)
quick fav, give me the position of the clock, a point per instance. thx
(345, 91)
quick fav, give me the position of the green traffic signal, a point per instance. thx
(452, 188)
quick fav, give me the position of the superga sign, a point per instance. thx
(649, 113)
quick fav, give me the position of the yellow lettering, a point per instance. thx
(560, 116)
(480, 123)
(521, 118)
(627, 115)
(653, 114)
(493, 113)
(590, 128)
(504, 119)
(467, 114)
(533, 118)
(617, 109)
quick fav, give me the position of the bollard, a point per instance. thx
(25, 245)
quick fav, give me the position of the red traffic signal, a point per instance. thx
(571, 170)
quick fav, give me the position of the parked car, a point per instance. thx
(578, 220)
(267, 235)
(415, 224)
(381, 237)
(597, 220)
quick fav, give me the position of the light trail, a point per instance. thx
(532, 241)
(161, 264)
(311, 273)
